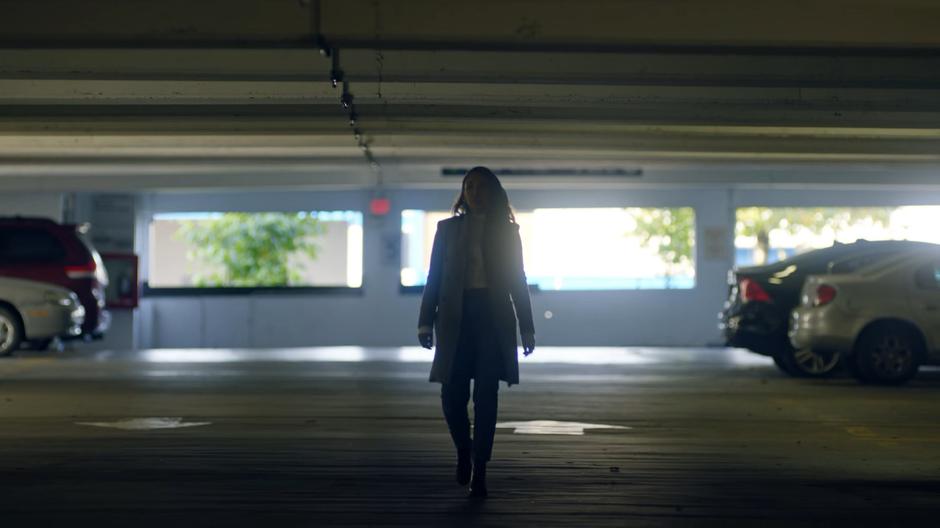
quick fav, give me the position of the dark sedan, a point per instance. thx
(760, 299)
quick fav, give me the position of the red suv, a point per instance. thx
(42, 250)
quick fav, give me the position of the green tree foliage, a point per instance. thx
(671, 231)
(760, 221)
(250, 249)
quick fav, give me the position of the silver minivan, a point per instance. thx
(33, 311)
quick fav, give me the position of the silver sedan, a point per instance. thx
(36, 311)
(882, 321)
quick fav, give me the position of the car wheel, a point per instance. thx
(11, 331)
(888, 354)
(813, 363)
(807, 363)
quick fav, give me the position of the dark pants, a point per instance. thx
(477, 358)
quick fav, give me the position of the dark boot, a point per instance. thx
(464, 466)
(478, 483)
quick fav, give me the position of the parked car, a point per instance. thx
(42, 250)
(760, 298)
(36, 312)
(883, 320)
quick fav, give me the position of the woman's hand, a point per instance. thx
(528, 344)
(426, 340)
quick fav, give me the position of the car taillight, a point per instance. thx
(84, 271)
(825, 294)
(752, 291)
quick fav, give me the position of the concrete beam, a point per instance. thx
(454, 23)
(161, 88)
(700, 67)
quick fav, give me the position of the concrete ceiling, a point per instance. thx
(135, 94)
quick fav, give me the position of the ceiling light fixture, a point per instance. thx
(346, 99)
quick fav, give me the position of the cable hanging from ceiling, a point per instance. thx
(347, 100)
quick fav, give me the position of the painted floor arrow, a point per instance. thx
(554, 428)
(145, 423)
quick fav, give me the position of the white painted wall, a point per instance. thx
(46, 205)
(382, 316)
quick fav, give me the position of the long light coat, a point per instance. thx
(442, 302)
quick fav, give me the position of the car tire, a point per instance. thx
(887, 354)
(807, 363)
(810, 363)
(11, 331)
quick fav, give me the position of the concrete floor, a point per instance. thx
(354, 437)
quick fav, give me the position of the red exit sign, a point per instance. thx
(380, 206)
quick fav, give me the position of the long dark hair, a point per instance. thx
(498, 207)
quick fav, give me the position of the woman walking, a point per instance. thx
(475, 278)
